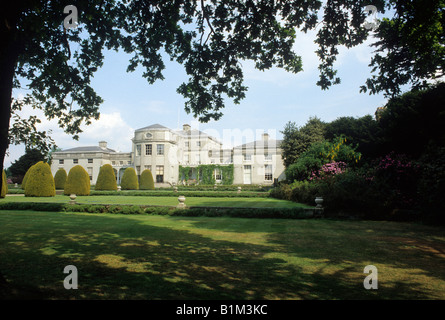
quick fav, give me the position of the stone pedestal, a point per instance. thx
(319, 207)
(73, 199)
(181, 204)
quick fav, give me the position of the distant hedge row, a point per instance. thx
(275, 213)
(166, 193)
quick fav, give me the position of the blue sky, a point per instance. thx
(274, 98)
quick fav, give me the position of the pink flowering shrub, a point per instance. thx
(329, 170)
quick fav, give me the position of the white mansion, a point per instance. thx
(163, 151)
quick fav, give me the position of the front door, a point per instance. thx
(247, 174)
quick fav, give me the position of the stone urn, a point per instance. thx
(119, 188)
(175, 189)
(181, 204)
(319, 202)
(239, 189)
(73, 198)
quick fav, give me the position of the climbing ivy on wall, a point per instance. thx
(185, 173)
(206, 173)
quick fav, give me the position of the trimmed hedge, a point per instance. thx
(40, 182)
(146, 180)
(25, 178)
(106, 179)
(60, 179)
(4, 190)
(129, 180)
(274, 213)
(35, 206)
(78, 182)
(166, 193)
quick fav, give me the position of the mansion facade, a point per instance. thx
(163, 151)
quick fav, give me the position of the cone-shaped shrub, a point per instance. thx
(40, 182)
(147, 182)
(106, 180)
(4, 190)
(78, 182)
(129, 180)
(60, 179)
(25, 178)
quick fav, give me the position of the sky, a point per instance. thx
(274, 97)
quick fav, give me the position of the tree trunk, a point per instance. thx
(8, 60)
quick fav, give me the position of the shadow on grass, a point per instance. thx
(120, 257)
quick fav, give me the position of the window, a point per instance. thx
(138, 170)
(138, 150)
(268, 157)
(247, 157)
(198, 143)
(187, 144)
(61, 161)
(160, 149)
(147, 168)
(148, 150)
(90, 160)
(159, 173)
(75, 161)
(218, 175)
(90, 172)
(268, 172)
(198, 158)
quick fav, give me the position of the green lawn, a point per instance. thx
(165, 201)
(164, 257)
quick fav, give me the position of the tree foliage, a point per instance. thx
(319, 154)
(410, 47)
(365, 132)
(297, 140)
(413, 121)
(19, 167)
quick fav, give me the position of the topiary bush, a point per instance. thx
(106, 179)
(40, 182)
(78, 182)
(60, 178)
(147, 181)
(4, 190)
(25, 178)
(129, 180)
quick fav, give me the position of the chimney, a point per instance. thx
(265, 136)
(186, 127)
(103, 144)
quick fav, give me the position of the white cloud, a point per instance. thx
(110, 127)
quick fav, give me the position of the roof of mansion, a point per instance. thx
(89, 149)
